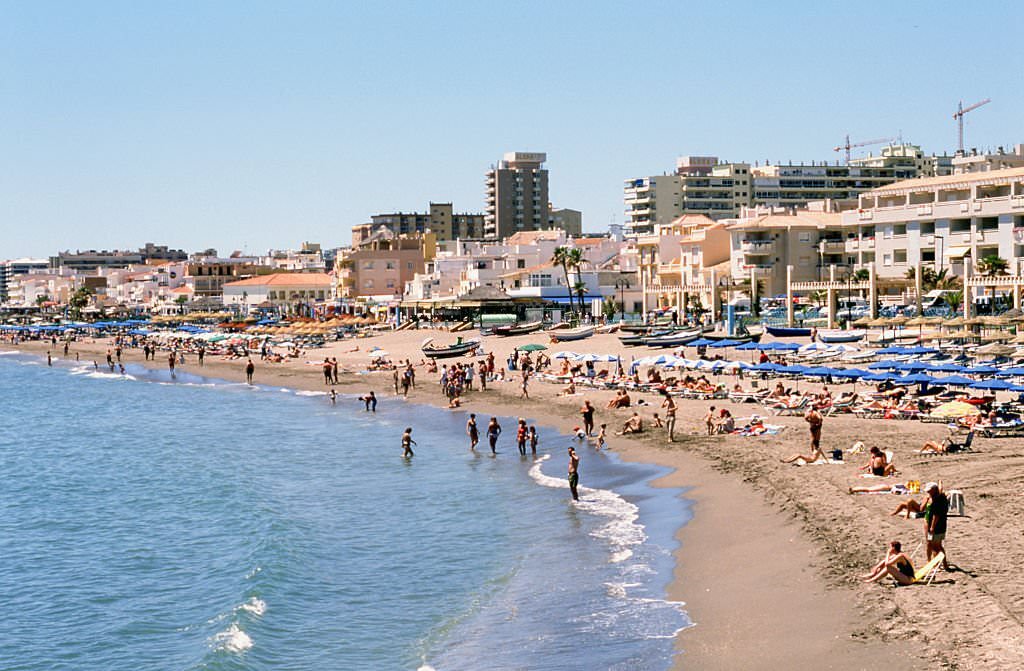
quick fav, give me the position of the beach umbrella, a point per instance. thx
(917, 350)
(793, 370)
(767, 367)
(997, 337)
(898, 320)
(891, 350)
(955, 322)
(880, 321)
(954, 381)
(565, 355)
(1016, 371)
(945, 367)
(882, 365)
(955, 409)
(916, 378)
(532, 347)
(995, 349)
(981, 370)
(843, 348)
(993, 385)
(815, 347)
(786, 347)
(747, 346)
(820, 371)
(378, 354)
(852, 373)
(879, 377)
(725, 343)
(863, 321)
(701, 342)
(909, 365)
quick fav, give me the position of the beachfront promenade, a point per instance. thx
(968, 618)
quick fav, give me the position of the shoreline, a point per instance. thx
(760, 535)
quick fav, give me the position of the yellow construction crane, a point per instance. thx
(847, 146)
(958, 115)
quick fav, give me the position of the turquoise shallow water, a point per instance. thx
(192, 524)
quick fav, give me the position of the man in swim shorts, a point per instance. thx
(574, 473)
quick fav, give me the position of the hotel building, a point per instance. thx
(517, 195)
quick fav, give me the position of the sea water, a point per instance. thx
(151, 523)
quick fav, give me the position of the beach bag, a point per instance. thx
(837, 455)
(956, 503)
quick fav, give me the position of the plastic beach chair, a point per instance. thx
(957, 446)
(926, 574)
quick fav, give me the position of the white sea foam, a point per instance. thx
(254, 606)
(310, 393)
(426, 667)
(99, 375)
(622, 530)
(6, 353)
(232, 639)
(252, 574)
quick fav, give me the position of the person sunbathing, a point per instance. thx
(570, 389)
(621, 400)
(908, 508)
(633, 425)
(878, 465)
(932, 447)
(895, 564)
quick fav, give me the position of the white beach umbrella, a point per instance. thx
(565, 355)
(843, 348)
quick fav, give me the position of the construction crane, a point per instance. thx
(958, 115)
(847, 146)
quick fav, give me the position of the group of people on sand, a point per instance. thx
(935, 511)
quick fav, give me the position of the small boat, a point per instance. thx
(741, 339)
(840, 336)
(458, 349)
(787, 332)
(633, 339)
(518, 329)
(673, 339)
(567, 334)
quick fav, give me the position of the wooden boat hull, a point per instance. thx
(518, 329)
(452, 350)
(833, 337)
(787, 332)
(673, 339)
(568, 335)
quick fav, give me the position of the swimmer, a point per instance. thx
(407, 443)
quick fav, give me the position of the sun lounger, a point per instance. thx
(926, 574)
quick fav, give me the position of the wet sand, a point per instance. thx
(768, 565)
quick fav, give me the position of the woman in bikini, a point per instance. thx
(896, 564)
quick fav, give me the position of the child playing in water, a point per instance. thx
(601, 436)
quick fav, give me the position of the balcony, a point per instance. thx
(757, 247)
(832, 246)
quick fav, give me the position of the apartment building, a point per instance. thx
(517, 195)
(945, 221)
(381, 267)
(566, 219)
(972, 161)
(764, 241)
(207, 275)
(441, 220)
(294, 293)
(719, 190)
(9, 269)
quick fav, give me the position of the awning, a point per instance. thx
(958, 252)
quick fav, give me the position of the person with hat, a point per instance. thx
(936, 510)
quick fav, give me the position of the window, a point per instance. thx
(367, 265)
(900, 255)
(887, 259)
(960, 226)
(927, 228)
(408, 265)
(805, 236)
(390, 265)
(368, 284)
(887, 232)
(927, 254)
(899, 229)
(520, 263)
(391, 284)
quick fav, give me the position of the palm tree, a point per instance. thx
(992, 265)
(561, 258)
(580, 288)
(954, 299)
(861, 275)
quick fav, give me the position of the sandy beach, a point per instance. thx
(768, 567)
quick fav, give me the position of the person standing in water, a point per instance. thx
(493, 431)
(533, 440)
(250, 368)
(407, 443)
(574, 473)
(472, 432)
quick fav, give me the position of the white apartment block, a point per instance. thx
(944, 221)
(765, 241)
(719, 190)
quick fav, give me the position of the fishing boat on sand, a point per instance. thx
(788, 332)
(565, 334)
(518, 329)
(840, 336)
(446, 351)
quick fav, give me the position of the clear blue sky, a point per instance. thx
(232, 124)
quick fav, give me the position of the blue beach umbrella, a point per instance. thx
(993, 385)
(820, 371)
(1011, 372)
(981, 370)
(851, 373)
(891, 350)
(879, 377)
(882, 365)
(945, 367)
(916, 378)
(701, 342)
(725, 343)
(954, 381)
(748, 346)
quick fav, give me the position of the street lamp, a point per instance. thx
(942, 244)
(622, 284)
